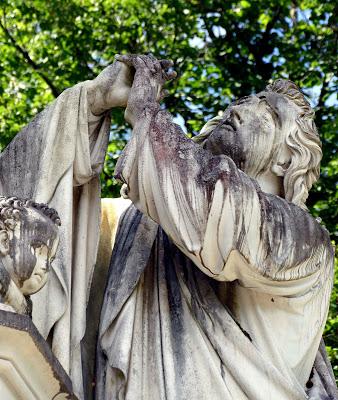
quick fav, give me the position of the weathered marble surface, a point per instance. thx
(56, 159)
(28, 242)
(111, 210)
(224, 290)
(220, 280)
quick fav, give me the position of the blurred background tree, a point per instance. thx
(222, 50)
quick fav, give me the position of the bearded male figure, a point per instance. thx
(220, 280)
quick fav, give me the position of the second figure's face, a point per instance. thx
(32, 247)
(44, 257)
(253, 132)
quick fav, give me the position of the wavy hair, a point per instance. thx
(304, 144)
(11, 209)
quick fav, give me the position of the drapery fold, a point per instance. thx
(56, 159)
(272, 263)
(165, 334)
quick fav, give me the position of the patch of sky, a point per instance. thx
(314, 93)
(96, 56)
(37, 28)
(276, 63)
(213, 14)
(268, 58)
(278, 32)
(116, 131)
(332, 100)
(196, 42)
(280, 61)
(179, 120)
(212, 91)
(192, 106)
(325, 19)
(213, 75)
(219, 31)
(303, 15)
(289, 21)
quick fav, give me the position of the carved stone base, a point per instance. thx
(28, 368)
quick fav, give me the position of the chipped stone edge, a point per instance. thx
(25, 324)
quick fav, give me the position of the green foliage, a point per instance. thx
(222, 50)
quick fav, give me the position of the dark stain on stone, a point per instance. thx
(20, 160)
(29, 307)
(34, 232)
(224, 140)
(175, 305)
(5, 280)
(288, 226)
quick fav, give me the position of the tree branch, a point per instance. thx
(321, 102)
(270, 25)
(55, 91)
(264, 47)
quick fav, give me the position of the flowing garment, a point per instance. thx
(216, 290)
(57, 159)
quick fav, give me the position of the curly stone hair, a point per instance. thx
(304, 144)
(11, 209)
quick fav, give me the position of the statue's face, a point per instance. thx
(253, 132)
(32, 248)
(44, 255)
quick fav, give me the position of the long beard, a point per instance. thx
(225, 140)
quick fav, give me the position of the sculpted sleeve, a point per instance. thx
(56, 159)
(216, 214)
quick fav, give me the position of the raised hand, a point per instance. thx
(147, 89)
(110, 88)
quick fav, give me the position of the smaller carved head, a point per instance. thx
(29, 239)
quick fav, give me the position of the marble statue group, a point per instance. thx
(214, 280)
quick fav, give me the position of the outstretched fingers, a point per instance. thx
(168, 76)
(137, 61)
(166, 63)
(163, 93)
(127, 59)
(151, 63)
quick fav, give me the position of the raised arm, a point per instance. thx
(214, 213)
(110, 88)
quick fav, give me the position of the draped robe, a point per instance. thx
(56, 159)
(216, 290)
